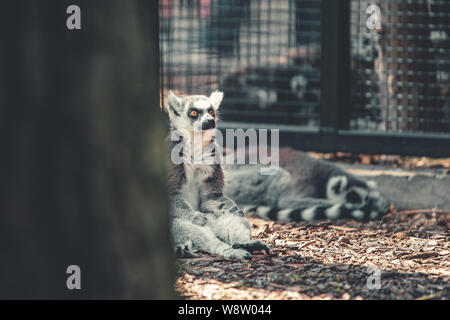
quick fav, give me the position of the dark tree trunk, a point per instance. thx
(82, 152)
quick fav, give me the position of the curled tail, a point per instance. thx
(312, 212)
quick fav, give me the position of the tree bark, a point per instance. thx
(82, 152)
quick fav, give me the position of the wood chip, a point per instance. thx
(341, 228)
(370, 250)
(422, 255)
(330, 260)
(261, 230)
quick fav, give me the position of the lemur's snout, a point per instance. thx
(208, 124)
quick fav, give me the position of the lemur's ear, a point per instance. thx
(216, 98)
(174, 104)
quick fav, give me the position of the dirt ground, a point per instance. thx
(405, 255)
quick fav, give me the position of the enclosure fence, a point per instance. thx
(350, 75)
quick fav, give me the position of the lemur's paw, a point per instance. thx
(236, 253)
(179, 251)
(200, 219)
(236, 210)
(183, 251)
(227, 209)
(252, 245)
(221, 208)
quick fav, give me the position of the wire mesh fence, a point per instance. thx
(266, 57)
(401, 70)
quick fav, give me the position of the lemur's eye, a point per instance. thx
(193, 113)
(211, 112)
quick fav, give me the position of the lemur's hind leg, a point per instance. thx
(252, 245)
(235, 230)
(191, 237)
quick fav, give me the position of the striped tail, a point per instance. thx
(311, 212)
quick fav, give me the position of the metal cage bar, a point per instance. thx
(335, 65)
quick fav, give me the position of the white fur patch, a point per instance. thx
(230, 228)
(331, 186)
(190, 189)
(173, 101)
(263, 211)
(216, 98)
(283, 215)
(195, 174)
(309, 214)
(358, 214)
(202, 104)
(373, 215)
(180, 123)
(333, 212)
(372, 184)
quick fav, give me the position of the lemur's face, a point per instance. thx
(357, 194)
(194, 112)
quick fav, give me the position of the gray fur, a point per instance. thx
(202, 217)
(321, 190)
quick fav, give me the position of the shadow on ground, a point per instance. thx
(328, 260)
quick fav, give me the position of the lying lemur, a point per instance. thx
(305, 189)
(203, 218)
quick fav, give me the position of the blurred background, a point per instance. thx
(315, 70)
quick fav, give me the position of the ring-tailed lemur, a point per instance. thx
(311, 189)
(202, 218)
